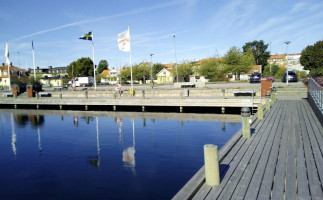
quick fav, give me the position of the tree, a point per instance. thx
(270, 70)
(184, 70)
(209, 69)
(312, 58)
(81, 67)
(259, 51)
(125, 74)
(141, 72)
(238, 62)
(103, 65)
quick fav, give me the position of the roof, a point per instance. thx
(255, 68)
(105, 72)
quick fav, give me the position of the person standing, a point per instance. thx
(73, 84)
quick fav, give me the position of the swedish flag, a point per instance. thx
(87, 36)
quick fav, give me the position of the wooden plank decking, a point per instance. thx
(282, 159)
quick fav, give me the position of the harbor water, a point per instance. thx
(76, 156)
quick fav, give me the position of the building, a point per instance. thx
(17, 75)
(165, 76)
(292, 61)
(110, 76)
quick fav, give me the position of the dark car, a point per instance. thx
(292, 77)
(255, 78)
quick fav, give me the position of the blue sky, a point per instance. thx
(203, 28)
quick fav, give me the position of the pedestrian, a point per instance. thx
(73, 84)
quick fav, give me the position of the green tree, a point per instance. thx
(125, 74)
(238, 62)
(312, 58)
(259, 51)
(209, 69)
(141, 72)
(81, 67)
(270, 70)
(103, 65)
(184, 70)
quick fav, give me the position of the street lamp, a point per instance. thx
(175, 58)
(287, 43)
(151, 70)
(19, 62)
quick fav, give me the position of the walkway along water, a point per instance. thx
(281, 160)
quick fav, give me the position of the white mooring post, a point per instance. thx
(211, 160)
(245, 114)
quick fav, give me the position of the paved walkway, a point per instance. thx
(282, 160)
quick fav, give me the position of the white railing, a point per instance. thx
(316, 92)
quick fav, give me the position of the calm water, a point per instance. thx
(73, 157)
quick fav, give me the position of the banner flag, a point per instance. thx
(87, 36)
(7, 54)
(124, 41)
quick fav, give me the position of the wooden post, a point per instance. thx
(114, 95)
(60, 107)
(143, 108)
(223, 110)
(181, 109)
(211, 160)
(37, 106)
(260, 111)
(143, 94)
(60, 95)
(223, 93)
(245, 114)
(114, 108)
(268, 100)
(86, 94)
(86, 107)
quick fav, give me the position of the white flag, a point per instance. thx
(7, 55)
(124, 41)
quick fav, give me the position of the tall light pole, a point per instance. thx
(175, 58)
(151, 70)
(287, 43)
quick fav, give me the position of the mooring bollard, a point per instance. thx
(86, 94)
(223, 93)
(37, 96)
(273, 95)
(260, 111)
(211, 161)
(60, 95)
(143, 108)
(223, 110)
(268, 100)
(245, 114)
(143, 94)
(115, 95)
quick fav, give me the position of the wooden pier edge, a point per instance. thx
(195, 183)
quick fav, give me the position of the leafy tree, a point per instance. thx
(259, 51)
(312, 58)
(209, 69)
(238, 62)
(103, 65)
(125, 74)
(141, 72)
(270, 70)
(81, 67)
(184, 70)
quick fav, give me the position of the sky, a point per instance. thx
(202, 29)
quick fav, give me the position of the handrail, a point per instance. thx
(316, 91)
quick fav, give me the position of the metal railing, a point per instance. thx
(316, 91)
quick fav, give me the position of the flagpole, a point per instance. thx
(93, 63)
(34, 61)
(8, 63)
(130, 60)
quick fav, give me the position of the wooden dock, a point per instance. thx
(282, 159)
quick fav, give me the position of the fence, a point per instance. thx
(316, 91)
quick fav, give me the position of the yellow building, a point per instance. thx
(165, 76)
(52, 81)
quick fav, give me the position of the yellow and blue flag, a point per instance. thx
(87, 36)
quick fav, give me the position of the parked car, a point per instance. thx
(292, 77)
(255, 78)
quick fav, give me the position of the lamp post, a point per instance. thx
(151, 70)
(287, 43)
(175, 58)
